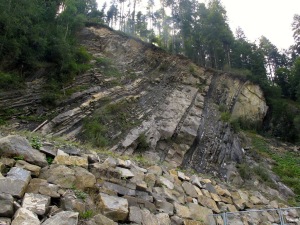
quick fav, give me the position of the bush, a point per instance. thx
(225, 116)
(10, 81)
(142, 143)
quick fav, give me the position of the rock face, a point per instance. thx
(175, 103)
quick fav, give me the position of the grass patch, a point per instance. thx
(99, 129)
(86, 214)
(225, 116)
(142, 143)
(9, 81)
(107, 68)
(287, 164)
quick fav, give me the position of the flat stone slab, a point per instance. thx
(71, 160)
(25, 217)
(15, 182)
(126, 173)
(6, 205)
(113, 207)
(63, 218)
(36, 203)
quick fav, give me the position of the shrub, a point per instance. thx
(10, 81)
(225, 116)
(142, 143)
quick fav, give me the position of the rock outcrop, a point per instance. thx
(167, 99)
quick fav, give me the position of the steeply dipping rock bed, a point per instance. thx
(173, 103)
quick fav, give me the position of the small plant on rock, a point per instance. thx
(86, 214)
(36, 143)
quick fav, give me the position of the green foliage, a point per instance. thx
(103, 122)
(36, 143)
(107, 67)
(142, 143)
(18, 157)
(86, 214)
(225, 116)
(244, 171)
(263, 175)
(49, 159)
(10, 81)
(80, 194)
(287, 165)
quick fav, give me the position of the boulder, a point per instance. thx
(119, 189)
(60, 175)
(36, 203)
(71, 160)
(182, 211)
(14, 145)
(164, 181)
(84, 179)
(113, 207)
(35, 170)
(6, 205)
(189, 189)
(163, 219)
(135, 215)
(63, 218)
(155, 170)
(164, 206)
(5, 221)
(25, 217)
(209, 203)
(41, 186)
(71, 202)
(200, 213)
(125, 173)
(99, 219)
(148, 218)
(15, 182)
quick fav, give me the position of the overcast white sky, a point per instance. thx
(271, 18)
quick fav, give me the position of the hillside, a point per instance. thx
(138, 102)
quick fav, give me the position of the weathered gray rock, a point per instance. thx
(25, 217)
(5, 221)
(8, 161)
(36, 203)
(148, 218)
(70, 202)
(35, 170)
(163, 219)
(209, 203)
(189, 189)
(119, 189)
(99, 219)
(164, 206)
(141, 203)
(63, 218)
(84, 179)
(135, 215)
(6, 205)
(71, 160)
(164, 181)
(41, 186)
(126, 173)
(16, 182)
(182, 211)
(60, 175)
(155, 170)
(113, 207)
(200, 213)
(14, 145)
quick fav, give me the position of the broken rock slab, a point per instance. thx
(63, 218)
(6, 205)
(36, 203)
(15, 182)
(35, 170)
(113, 207)
(25, 217)
(14, 145)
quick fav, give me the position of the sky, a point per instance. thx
(270, 18)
